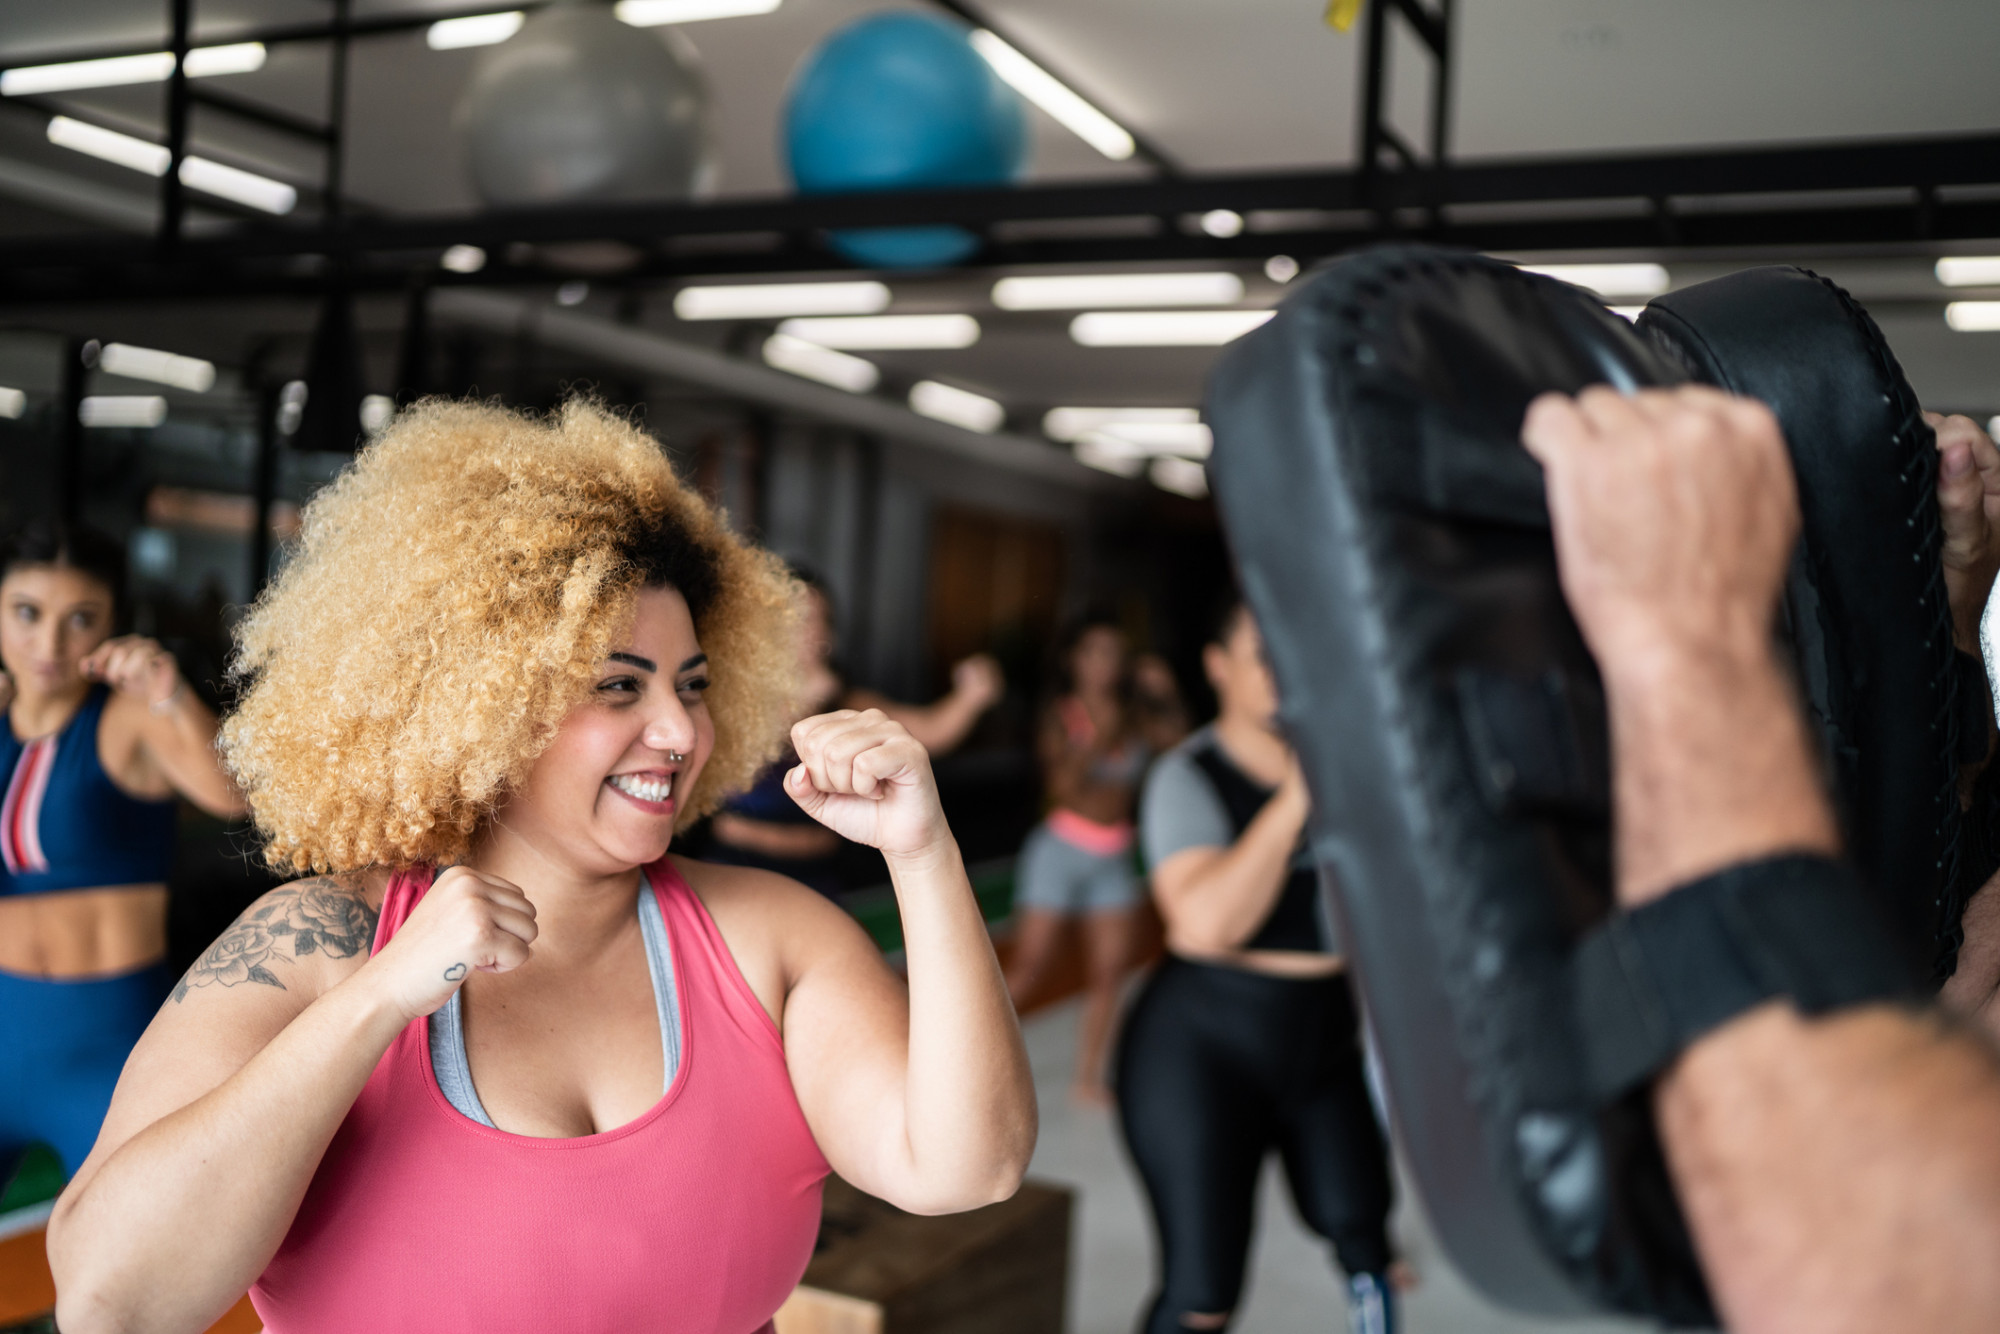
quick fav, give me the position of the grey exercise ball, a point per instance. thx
(578, 106)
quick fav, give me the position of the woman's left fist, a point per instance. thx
(135, 665)
(865, 778)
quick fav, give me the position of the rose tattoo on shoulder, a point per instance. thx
(310, 917)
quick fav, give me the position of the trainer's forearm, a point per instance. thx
(1838, 1174)
(1841, 1175)
(969, 1101)
(169, 1230)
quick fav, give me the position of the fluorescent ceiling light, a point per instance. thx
(377, 411)
(1092, 453)
(770, 301)
(1608, 280)
(463, 259)
(882, 332)
(1083, 291)
(1068, 424)
(197, 173)
(473, 30)
(1190, 439)
(152, 67)
(244, 187)
(652, 13)
(1049, 93)
(1969, 271)
(824, 364)
(975, 412)
(1993, 427)
(1281, 268)
(110, 146)
(237, 58)
(1164, 328)
(1222, 223)
(143, 410)
(146, 363)
(1182, 476)
(1973, 316)
(12, 403)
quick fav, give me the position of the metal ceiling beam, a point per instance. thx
(1805, 199)
(623, 347)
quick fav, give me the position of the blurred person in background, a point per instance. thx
(763, 827)
(103, 735)
(1114, 713)
(1246, 1040)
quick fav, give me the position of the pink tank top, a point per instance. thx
(698, 1217)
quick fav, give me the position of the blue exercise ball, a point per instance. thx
(901, 101)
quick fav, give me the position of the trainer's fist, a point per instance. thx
(135, 665)
(467, 923)
(868, 780)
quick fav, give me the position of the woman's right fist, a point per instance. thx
(468, 922)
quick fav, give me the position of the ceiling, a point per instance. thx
(1218, 85)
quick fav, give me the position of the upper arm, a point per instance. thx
(276, 959)
(170, 761)
(843, 1015)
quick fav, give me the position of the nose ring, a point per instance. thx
(675, 757)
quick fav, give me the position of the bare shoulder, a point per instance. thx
(305, 935)
(777, 929)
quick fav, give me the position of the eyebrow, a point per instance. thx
(698, 660)
(634, 660)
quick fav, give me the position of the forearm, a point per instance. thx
(1227, 899)
(175, 1224)
(938, 727)
(969, 1108)
(1840, 1174)
(184, 747)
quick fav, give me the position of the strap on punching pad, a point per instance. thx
(1650, 981)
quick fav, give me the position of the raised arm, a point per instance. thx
(1840, 1173)
(233, 1094)
(174, 729)
(1214, 897)
(976, 685)
(919, 1096)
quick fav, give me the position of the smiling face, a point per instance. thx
(51, 617)
(602, 798)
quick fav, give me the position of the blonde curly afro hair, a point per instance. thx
(451, 599)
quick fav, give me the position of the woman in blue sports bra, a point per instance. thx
(102, 735)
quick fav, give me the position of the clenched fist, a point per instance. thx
(868, 780)
(469, 922)
(135, 665)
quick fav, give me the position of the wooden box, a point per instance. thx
(1003, 1269)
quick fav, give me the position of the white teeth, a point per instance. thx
(645, 789)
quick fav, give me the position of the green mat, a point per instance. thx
(875, 909)
(38, 1178)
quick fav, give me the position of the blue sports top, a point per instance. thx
(65, 825)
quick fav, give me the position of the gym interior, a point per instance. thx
(923, 297)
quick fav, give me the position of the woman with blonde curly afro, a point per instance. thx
(501, 1061)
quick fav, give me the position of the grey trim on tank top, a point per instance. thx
(447, 1025)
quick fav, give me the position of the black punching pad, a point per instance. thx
(1392, 537)
(1865, 604)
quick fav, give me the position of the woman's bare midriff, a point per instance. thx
(1273, 963)
(83, 932)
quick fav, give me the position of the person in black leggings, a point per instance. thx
(1246, 1039)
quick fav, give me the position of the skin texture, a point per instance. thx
(919, 1094)
(156, 740)
(1214, 898)
(976, 686)
(1099, 663)
(1841, 1173)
